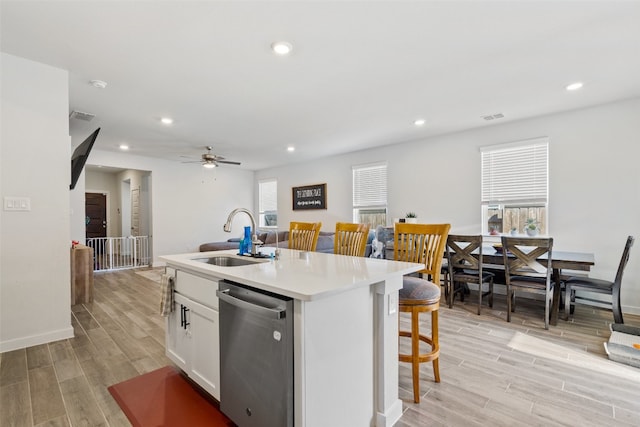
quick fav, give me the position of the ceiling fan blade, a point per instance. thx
(228, 162)
(193, 161)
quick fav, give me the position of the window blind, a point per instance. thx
(268, 196)
(370, 185)
(515, 173)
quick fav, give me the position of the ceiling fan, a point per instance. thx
(210, 160)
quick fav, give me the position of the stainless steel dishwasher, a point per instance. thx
(256, 356)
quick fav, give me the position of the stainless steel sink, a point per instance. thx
(227, 261)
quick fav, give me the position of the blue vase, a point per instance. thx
(247, 240)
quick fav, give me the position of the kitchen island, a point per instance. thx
(345, 333)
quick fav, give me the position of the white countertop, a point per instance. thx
(301, 275)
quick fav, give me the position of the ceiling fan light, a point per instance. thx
(209, 165)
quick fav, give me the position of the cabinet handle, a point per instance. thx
(182, 316)
(186, 323)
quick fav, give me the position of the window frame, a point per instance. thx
(506, 164)
(262, 212)
(373, 200)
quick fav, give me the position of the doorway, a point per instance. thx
(96, 215)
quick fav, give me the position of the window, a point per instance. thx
(268, 203)
(370, 194)
(515, 186)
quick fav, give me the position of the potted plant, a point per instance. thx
(411, 218)
(531, 227)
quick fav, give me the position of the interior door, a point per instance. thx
(135, 212)
(95, 206)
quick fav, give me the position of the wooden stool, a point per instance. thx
(417, 296)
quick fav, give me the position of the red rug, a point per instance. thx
(164, 397)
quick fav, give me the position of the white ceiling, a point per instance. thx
(360, 72)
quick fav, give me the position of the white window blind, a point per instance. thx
(268, 199)
(515, 173)
(370, 185)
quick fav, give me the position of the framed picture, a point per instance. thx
(310, 197)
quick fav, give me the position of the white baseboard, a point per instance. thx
(24, 342)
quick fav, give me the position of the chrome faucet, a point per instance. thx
(255, 242)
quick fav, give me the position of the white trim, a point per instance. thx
(512, 144)
(30, 341)
(370, 165)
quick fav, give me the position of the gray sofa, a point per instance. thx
(325, 241)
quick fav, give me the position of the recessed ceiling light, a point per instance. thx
(98, 83)
(419, 122)
(291, 148)
(575, 86)
(124, 147)
(166, 120)
(281, 48)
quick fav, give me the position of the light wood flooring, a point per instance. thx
(493, 372)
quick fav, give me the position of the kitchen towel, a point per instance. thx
(166, 287)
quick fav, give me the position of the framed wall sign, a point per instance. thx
(310, 197)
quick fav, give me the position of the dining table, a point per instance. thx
(568, 260)
(579, 262)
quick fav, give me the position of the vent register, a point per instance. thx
(80, 115)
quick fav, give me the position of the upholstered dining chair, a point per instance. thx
(527, 267)
(577, 283)
(304, 235)
(350, 239)
(464, 261)
(425, 244)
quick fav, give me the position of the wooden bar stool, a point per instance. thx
(423, 243)
(304, 235)
(350, 239)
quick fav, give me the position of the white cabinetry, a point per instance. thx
(177, 336)
(192, 340)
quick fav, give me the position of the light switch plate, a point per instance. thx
(17, 204)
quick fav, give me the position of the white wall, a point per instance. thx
(594, 183)
(35, 301)
(189, 204)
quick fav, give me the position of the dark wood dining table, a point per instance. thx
(576, 261)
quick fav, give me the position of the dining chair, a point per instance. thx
(304, 235)
(350, 239)
(527, 267)
(464, 260)
(599, 286)
(425, 244)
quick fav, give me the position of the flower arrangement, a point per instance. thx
(531, 224)
(531, 227)
(411, 217)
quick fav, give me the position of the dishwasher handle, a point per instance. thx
(258, 309)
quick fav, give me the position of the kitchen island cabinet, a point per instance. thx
(192, 330)
(345, 329)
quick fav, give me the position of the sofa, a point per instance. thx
(325, 241)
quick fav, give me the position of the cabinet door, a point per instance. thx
(178, 342)
(205, 355)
